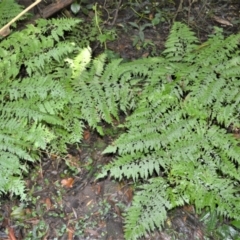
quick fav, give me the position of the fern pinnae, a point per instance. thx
(32, 104)
(8, 10)
(177, 127)
(141, 220)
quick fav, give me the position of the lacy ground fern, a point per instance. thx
(177, 141)
(46, 95)
(49, 89)
(34, 97)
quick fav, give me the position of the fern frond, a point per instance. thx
(178, 130)
(148, 210)
(36, 91)
(180, 42)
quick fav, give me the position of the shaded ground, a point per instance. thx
(65, 200)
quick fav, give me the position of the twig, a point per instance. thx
(178, 10)
(116, 13)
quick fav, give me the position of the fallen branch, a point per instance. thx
(53, 8)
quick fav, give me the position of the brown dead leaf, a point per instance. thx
(222, 21)
(236, 135)
(70, 232)
(146, 54)
(11, 234)
(92, 232)
(97, 188)
(33, 221)
(53, 157)
(5, 222)
(73, 161)
(118, 210)
(89, 203)
(67, 182)
(129, 194)
(86, 135)
(48, 203)
(189, 209)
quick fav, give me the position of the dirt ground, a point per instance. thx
(65, 200)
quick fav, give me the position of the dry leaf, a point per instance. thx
(189, 209)
(118, 210)
(72, 161)
(33, 221)
(70, 232)
(222, 21)
(86, 135)
(67, 182)
(48, 203)
(97, 188)
(92, 232)
(11, 234)
(54, 157)
(236, 135)
(146, 54)
(129, 194)
(5, 222)
(89, 203)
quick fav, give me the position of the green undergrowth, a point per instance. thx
(178, 105)
(34, 94)
(8, 10)
(40, 110)
(176, 140)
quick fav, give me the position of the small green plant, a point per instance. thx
(155, 11)
(217, 228)
(139, 40)
(81, 5)
(104, 208)
(75, 7)
(38, 231)
(106, 35)
(92, 31)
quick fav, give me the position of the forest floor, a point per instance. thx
(65, 200)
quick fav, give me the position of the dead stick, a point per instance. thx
(5, 29)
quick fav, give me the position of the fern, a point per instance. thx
(177, 131)
(8, 10)
(34, 97)
(102, 90)
(181, 104)
(45, 97)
